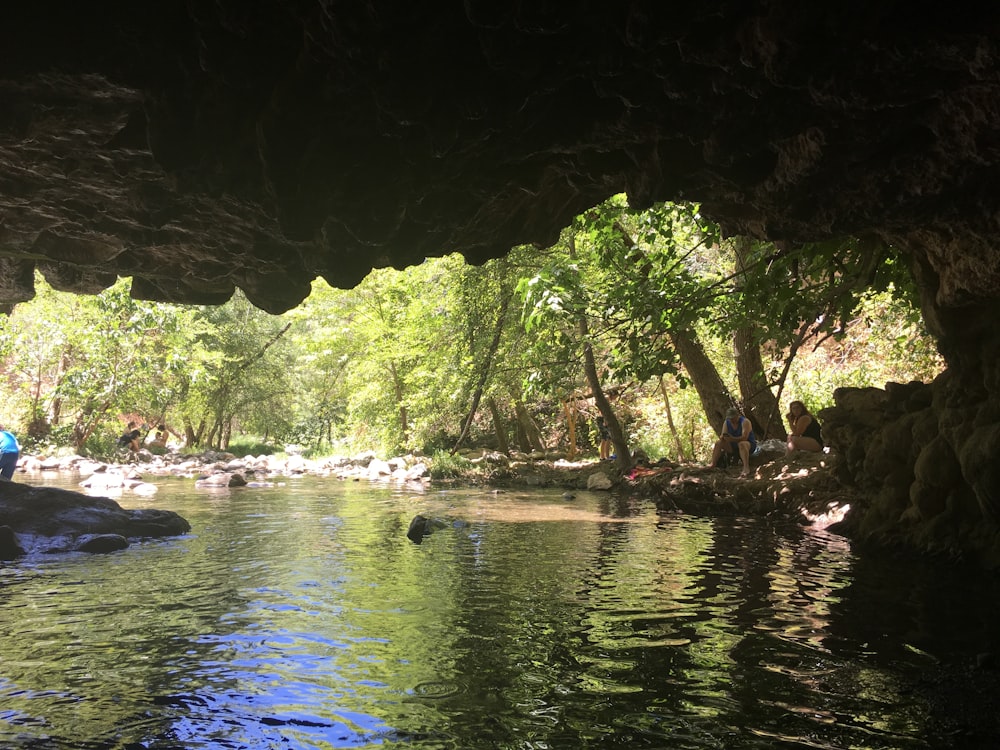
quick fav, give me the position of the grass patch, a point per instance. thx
(244, 448)
(446, 466)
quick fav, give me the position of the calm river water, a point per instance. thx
(301, 616)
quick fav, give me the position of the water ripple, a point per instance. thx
(302, 617)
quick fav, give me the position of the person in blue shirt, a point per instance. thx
(10, 452)
(736, 436)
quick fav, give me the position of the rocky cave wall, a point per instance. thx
(199, 147)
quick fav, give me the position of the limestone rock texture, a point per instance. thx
(199, 147)
(923, 460)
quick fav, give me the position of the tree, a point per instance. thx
(89, 359)
(663, 277)
(760, 404)
(561, 301)
(393, 343)
(791, 296)
(626, 302)
(492, 283)
(630, 282)
(35, 345)
(244, 377)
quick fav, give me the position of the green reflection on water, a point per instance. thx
(301, 616)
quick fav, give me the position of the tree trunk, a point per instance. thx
(678, 445)
(499, 429)
(532, 434)
(715, 397)
(759, 403)
(397, 386)
(523, 444)
(570, 414)
(192, 436)
(86, 423)
(484, 373)
(210, 438)
(623, 456)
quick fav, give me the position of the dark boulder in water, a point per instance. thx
(43, 519)
(419, 528)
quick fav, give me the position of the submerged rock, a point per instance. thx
(101, 543)
(221, 479)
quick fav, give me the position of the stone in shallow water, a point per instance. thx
(101, 543)
(599, 481)
(418, 529)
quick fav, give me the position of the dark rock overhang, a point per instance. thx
(201, 147)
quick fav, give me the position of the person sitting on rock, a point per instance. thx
(736, 436)
(130, 438)
(160, 439)
(804, 432)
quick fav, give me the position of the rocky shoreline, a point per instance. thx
(804, 488)
(801, 488)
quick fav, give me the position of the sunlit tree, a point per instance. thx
(244, 380)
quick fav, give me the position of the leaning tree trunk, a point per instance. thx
(681, 456)
(715, 397)
(623, 455)
(499, 429)
(531, 432)
(759, 403)
(484, 373)
(210, 438)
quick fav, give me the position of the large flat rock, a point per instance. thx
(52, 519)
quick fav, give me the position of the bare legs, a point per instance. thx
(720, 445)
(605, 450)
(802, 443)
(724, 445)
(745, 457)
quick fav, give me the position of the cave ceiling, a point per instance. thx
(200, 147)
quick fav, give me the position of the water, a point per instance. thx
(302, 617)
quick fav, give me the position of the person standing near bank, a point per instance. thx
(605, 449)
(803, 430)
(10, 452)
